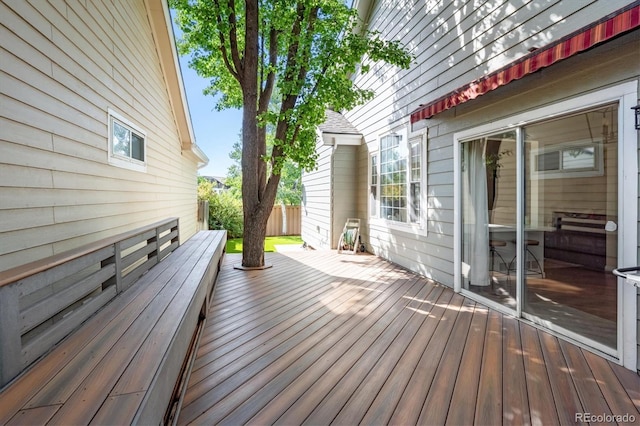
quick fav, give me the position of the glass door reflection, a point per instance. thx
(571, 216)
(488, 185)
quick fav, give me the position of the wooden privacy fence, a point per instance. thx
(276, 225)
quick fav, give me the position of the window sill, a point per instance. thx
(130, 165)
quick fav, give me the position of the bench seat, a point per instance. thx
(124, 364)
(578, 238)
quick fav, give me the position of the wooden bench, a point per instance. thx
(578, 238)
(128, 359)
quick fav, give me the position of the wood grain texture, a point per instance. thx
(110, 369)
(323, 338)
(62, 67)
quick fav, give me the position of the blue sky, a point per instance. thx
(215, 131)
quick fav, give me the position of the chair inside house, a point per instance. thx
(532, 267)
(493, 252)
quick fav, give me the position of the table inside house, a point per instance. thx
(507, 233)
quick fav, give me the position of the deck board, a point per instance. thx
(326, 332)
(383, 406)
(462, 405)
(410, 405)
(360, 401)
(564, 392)
(515, 408)
(360, 362)
(585, 383)
(617, 400)
(108, 369)
(324, 338)
(436, 405)
(541, 405)
(489, 400)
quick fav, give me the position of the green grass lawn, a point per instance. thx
(235, 245)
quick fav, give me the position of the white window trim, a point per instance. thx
(561, 173)
(120, 161)
(374, 217)
(374, 213)
(421, 137)
(626, 95)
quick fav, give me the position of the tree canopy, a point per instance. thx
(289, 189)
(284, 62)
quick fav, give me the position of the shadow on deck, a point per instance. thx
(324, 338)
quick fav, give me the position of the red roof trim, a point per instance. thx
(619, 22)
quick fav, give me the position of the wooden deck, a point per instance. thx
(323, 338)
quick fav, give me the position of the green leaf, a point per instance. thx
(287, 61)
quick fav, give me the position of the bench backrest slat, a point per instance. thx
(34, 348)
(48, 307)
(58, 273)
(137, 239)
(44, 301)
(168, 249)
(145, 252)
(580, 222)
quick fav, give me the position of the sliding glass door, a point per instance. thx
(489, 216)
(539, 222)
(571, 220)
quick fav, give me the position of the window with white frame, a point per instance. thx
(415, 177)
(396, 180)
(568, 160)
(393, 179)
(127, 143)
(373, 186)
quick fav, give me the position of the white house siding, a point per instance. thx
(344, 188)
(316, 200)
(63, 64)
(599, 68)
(454, 43)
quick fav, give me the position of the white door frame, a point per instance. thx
(626, 94)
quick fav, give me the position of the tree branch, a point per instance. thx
(223, 46)
(290, 99)
(267, 91)
(233, 37)
(249, 61)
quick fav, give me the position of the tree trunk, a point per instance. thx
(253, 241)
(256, 216)
(258, 192)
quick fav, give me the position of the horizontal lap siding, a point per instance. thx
(453, 44)
(345, 183)
(62, 67)
(316, 200)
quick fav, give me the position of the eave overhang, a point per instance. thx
(335, 139)
(160, 18)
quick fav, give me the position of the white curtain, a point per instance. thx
(475, 215)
